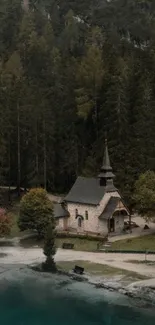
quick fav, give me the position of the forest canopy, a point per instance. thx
(69, 72)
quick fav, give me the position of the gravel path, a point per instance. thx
(17, 255)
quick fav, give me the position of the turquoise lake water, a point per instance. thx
(40, 301)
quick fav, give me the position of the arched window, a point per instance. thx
(76, 213)
(79, 222)
(86, 215)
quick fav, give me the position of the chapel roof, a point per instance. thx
(91, 190)
(88, 191)
(59, 211)
(110, 207)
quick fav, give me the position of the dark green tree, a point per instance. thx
(49, 247)
(69, 72)
(144, 195)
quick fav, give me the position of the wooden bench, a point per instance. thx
(78, 269)
(67, 246)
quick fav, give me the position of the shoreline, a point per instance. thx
(145, 295)
(30, 257)
(69, 283)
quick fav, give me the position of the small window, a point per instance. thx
(86, 215)
(76, 213)
(57, 222)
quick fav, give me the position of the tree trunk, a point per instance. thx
(9, 163)
(96, 112)
(18, 146)
(36, 157)
(44, 148)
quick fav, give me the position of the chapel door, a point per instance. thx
(112, 224)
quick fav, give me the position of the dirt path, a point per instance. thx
(136, 232)
(16, 255)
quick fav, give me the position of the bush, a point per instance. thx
(36, 211)
(5, 223)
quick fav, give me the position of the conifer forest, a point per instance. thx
(72, 72)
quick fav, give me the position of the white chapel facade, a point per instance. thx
(93, 205)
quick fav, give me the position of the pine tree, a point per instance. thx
(49, 248)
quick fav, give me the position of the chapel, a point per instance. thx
(93, 205)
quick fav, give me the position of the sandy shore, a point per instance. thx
(18, 255)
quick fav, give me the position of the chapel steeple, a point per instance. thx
(106, 175)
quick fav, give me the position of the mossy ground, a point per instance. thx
(99, 269)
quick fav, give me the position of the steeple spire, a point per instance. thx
(106, 159)
(106, 175)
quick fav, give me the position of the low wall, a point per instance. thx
(66, 234)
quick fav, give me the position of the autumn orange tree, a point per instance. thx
(36, 211)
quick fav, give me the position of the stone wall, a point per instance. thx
(87, 225)
(93, 224)
(60, 224)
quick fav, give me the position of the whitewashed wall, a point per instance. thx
(119, 223)
(93, 224)
(60, 224)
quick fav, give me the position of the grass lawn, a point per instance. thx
(139, 243)
(79, 244)
(99, 269)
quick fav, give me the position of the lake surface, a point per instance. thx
(27, 299)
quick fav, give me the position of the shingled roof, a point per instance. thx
(110, 208)
(59, 211)
(91, 190)
(87, 191)
(106, 169)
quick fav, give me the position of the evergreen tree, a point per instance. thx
(49, 248)
(69, 72)
(144, 195)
